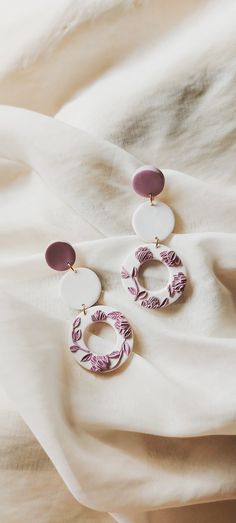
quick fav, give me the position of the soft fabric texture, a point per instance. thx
(90, 91)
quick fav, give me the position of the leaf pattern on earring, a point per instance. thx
(154, 299)
(170, 258)
(124, 273)
(103, 363)
(99, 316)
(179, 282)
(143, 254)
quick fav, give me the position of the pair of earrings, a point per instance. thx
(80, 287)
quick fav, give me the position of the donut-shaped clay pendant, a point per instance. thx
(162, 297)
(124, 339)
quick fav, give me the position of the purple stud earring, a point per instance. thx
(152, 221)
(80, 289)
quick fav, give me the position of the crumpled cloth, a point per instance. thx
(92, 91)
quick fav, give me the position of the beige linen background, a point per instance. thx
(89, 91)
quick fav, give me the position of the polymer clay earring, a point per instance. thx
(152, 221)
(80, 289)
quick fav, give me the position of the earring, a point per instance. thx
(80, 289)
(153, 221)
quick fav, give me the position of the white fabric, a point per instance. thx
(149, 87)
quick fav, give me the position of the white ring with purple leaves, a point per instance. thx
(101, 363)
(163, 297)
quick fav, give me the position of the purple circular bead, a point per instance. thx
(59, 255)
(148, 180)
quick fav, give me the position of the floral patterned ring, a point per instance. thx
(124, 339)
(162, 297)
